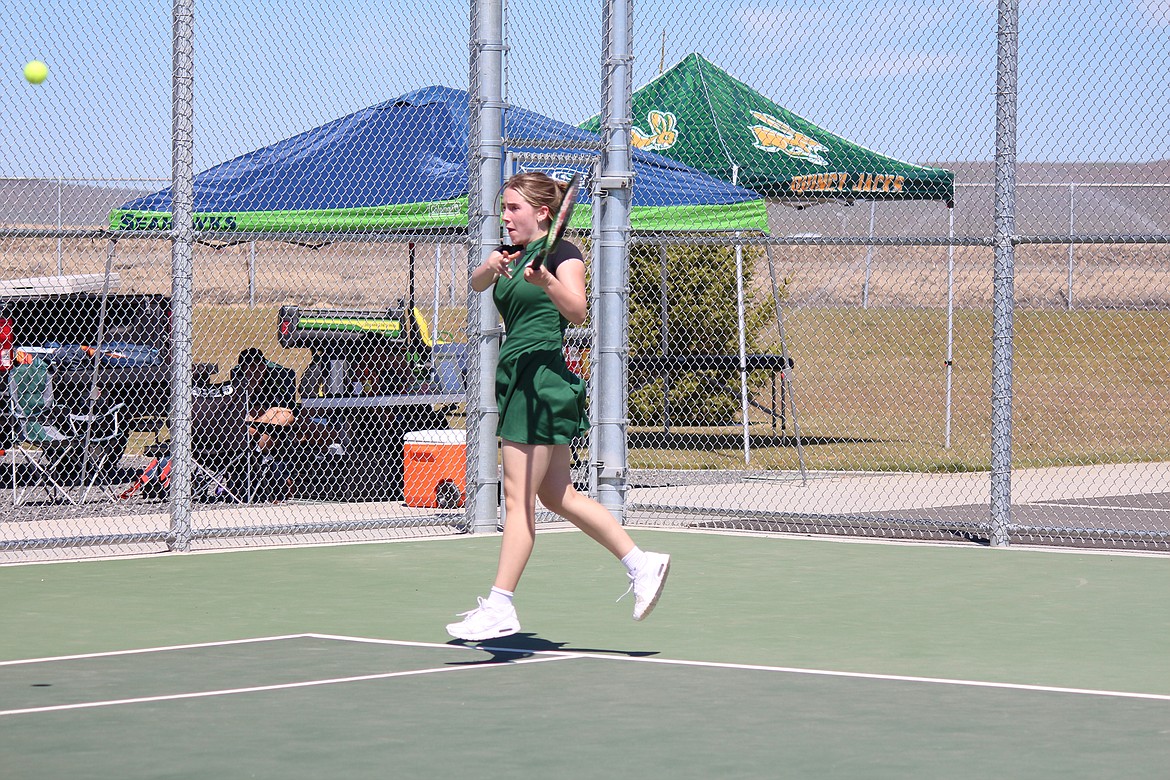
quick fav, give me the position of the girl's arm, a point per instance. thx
(498, 264)
(566, 289)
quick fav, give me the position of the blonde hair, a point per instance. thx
(538, 189)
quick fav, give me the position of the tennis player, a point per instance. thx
(542, 407)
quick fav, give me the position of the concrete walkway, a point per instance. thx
(81, 534)
(865, 492)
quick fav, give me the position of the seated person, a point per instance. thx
(270, 392)
(265, 385)
(384, 367)
(283, 437)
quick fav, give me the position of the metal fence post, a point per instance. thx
(616, 186)
(950, 358)
(486, 161)
(868, 256)
(1003, 305)
(182, 198)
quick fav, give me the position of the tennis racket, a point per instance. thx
(560, 221)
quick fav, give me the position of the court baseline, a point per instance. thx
(531, 656)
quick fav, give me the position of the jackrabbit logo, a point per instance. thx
(776, 136)
(662, 135)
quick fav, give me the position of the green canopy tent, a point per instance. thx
(698, 114)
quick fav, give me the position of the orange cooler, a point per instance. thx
(435, 469)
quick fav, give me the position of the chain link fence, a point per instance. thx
(811, 280)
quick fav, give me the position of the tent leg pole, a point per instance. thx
(950, 326)
(743, 393)
(94, 386)
(868, 256)
(410, 283)
(785, 376)
(251, 274)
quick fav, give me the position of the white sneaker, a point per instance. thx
(647, 584)
(485, 622)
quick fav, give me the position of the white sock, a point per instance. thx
(500, 597)
(634, 559)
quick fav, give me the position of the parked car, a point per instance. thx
(59, 319)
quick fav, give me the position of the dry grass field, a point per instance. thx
(375, 275)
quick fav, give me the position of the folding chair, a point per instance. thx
(221, 447)
(38, 439)
(98, 442)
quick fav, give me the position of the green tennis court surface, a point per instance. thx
(767, 657)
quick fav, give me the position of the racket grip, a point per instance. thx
(509, 249)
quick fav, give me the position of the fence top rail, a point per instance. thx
(232, 238)
(692, 239)
(165, 179)
(1090, 238)
(1067, 184)
(88, 179)
(315, 240)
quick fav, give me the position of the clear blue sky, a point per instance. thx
(913, 79)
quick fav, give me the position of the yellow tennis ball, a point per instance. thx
(36, 72)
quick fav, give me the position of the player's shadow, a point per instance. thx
(526, 645)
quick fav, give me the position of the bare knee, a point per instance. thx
(556, 499)
(518, 504)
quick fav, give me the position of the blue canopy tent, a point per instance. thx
(403, 165)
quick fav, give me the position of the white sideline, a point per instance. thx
(780, 669)
(262, 688)
(137, 651)
(538, 656)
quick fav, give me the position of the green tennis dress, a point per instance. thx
(540, 400)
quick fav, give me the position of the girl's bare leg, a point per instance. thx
(525, 466)
(556, 492)
(530, 469)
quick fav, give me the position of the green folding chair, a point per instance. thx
(38, 439)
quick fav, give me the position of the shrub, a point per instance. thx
(699, 296)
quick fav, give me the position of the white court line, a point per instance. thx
(780, 669)
(140, 650)
(262, 688)
(907, 544)
(892, 677)
(1111, 507)
(399, 642)
(544, 655)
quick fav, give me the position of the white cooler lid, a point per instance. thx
(436, 437)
